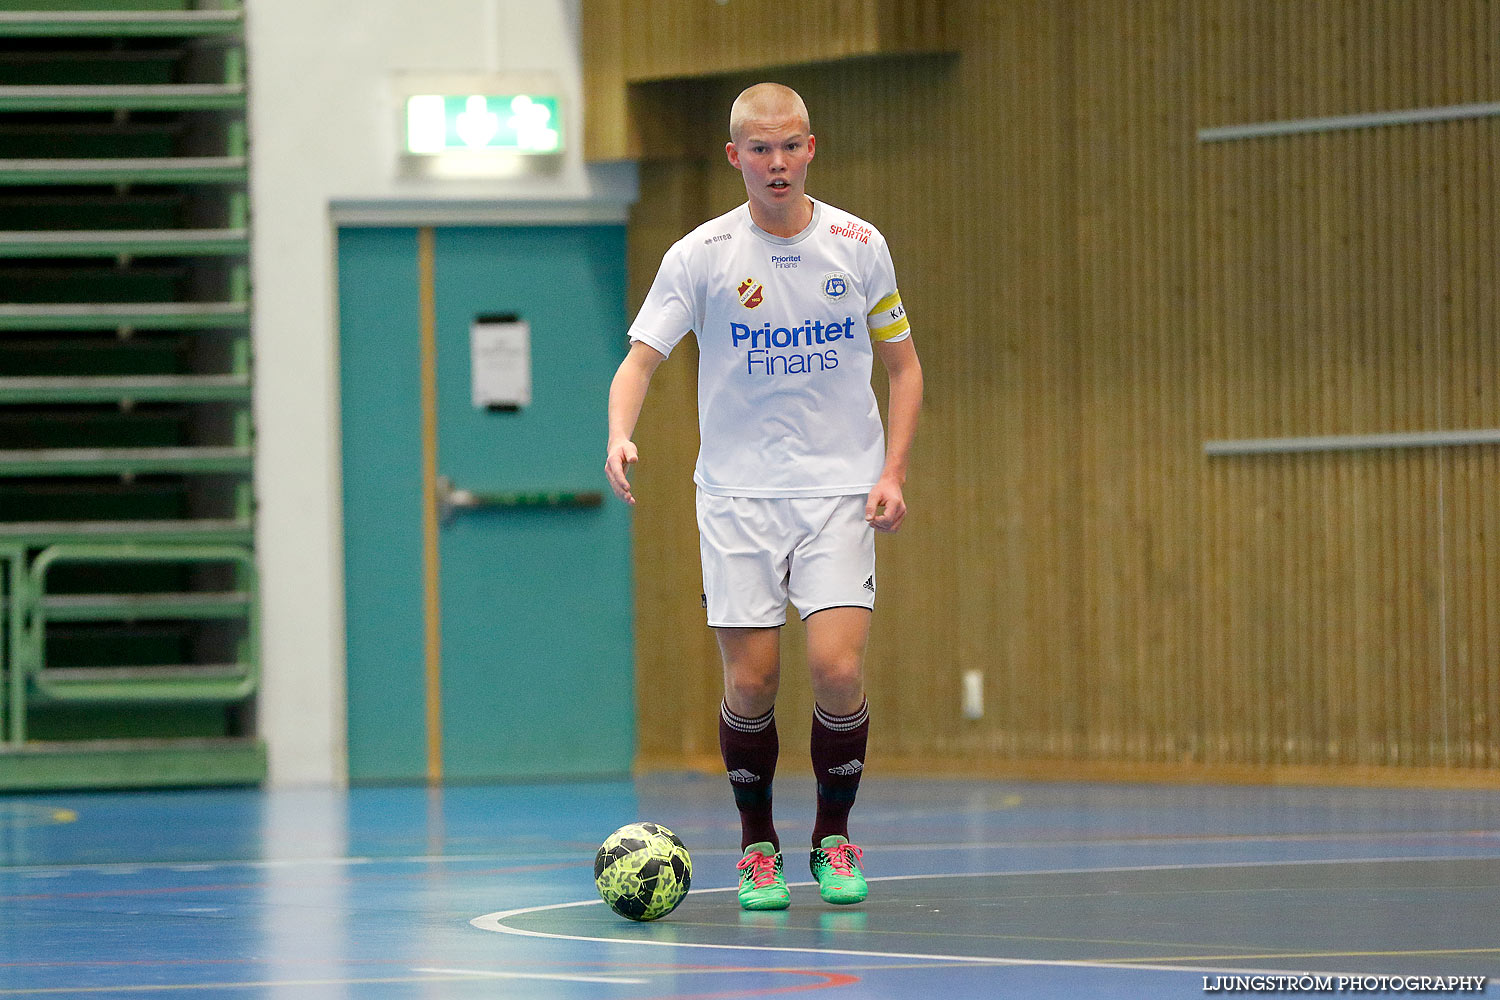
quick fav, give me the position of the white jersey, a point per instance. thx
(785, 329)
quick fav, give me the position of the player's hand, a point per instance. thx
(617, 466)
(885, 509)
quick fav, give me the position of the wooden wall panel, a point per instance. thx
(633, 45)
(675, 39)
(685, 38)
(1136, 451)
(1095, 293)
(1347, 288)
(606, 134)
(677, 680)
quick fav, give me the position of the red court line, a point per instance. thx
(824, 980)
(828, 980)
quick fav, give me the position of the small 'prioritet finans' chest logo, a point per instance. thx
(752, 293)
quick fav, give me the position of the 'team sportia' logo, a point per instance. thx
(851, 230)
(752, 293)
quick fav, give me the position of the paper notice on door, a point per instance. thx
(500, 357)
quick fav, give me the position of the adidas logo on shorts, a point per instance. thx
(853, 767)
(870, 584)
(744, 777)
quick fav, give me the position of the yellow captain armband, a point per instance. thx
(887, 320)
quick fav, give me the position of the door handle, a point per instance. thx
(451, 499)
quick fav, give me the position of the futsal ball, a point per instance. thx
(643, 871)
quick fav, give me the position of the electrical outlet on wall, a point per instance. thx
(972, 701)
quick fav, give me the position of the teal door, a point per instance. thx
(496, 642)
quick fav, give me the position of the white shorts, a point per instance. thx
(760, 552)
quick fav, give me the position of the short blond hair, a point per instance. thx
(764, 100)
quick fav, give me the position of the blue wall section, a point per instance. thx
(538, 672)
(380, 390)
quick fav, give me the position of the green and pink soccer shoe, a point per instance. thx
(762, 884)
(835, 864)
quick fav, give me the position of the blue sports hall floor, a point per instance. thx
(979, 889)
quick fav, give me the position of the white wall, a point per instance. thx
(324, 140)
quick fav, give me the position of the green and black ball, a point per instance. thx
(643, 871)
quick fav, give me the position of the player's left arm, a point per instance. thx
(905, 371)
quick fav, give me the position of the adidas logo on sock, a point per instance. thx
(870, 584)
(744, 777)
(853, 767)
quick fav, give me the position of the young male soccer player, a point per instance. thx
(791, 299)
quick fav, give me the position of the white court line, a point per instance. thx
(483, 974)
(133, 867)
(553, 856)
(495, 922)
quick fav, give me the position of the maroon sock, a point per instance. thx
(838, 756)
(750, 747)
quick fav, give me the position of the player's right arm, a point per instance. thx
(627, 393)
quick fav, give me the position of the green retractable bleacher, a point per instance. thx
(129, 633)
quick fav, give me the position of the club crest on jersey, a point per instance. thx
(835, 284)
(752, 293)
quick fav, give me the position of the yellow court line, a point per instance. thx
(432, 620)
(24, 814)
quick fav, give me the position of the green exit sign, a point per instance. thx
(514, 123)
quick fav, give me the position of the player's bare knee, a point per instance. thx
(839, 680)
(751, 689)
